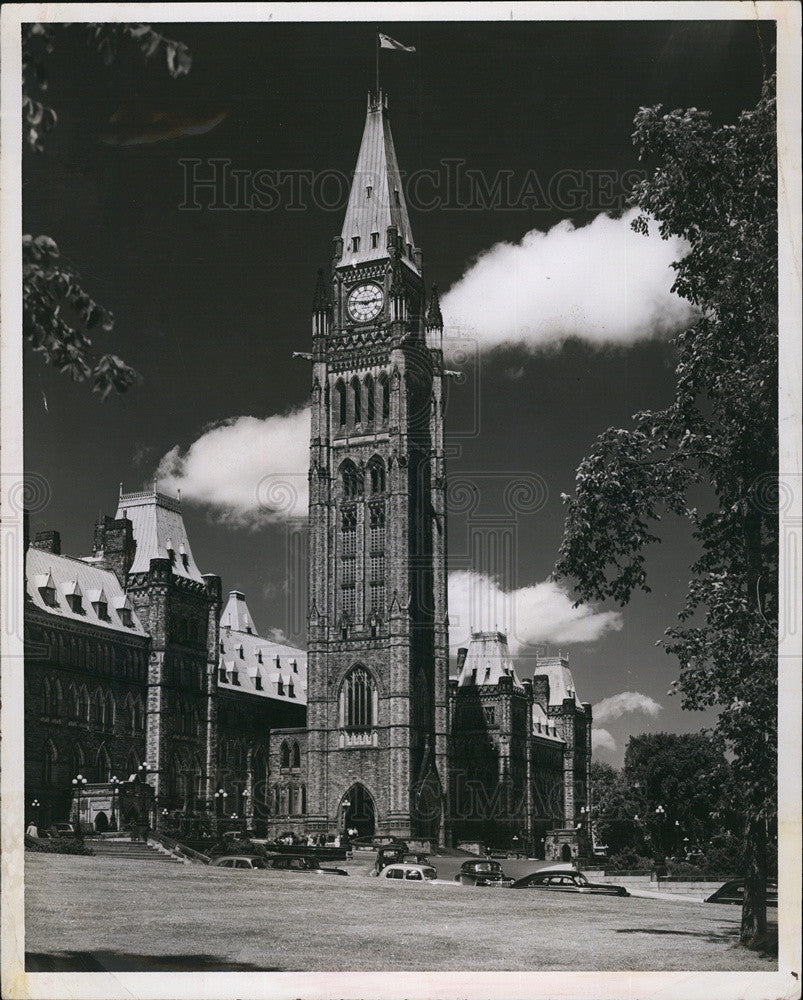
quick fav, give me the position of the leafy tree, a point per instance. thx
(678, 779)
(59, 316)
(716, 188)
(613, 808)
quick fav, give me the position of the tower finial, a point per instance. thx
(434, 317)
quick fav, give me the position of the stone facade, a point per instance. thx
(125, 675)
(378, 657)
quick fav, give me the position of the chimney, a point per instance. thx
(462, 653)
(48, 541)
(541, 690)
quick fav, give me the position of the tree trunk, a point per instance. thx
(754, 907)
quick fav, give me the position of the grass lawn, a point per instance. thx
(102, 913)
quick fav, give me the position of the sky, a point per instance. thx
(558, 317)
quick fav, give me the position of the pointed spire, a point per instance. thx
(376, 202)
(434, 317)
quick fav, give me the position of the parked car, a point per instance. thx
(483, 872)
(300, 863)
(240, 861)
(61, 830)
(397, 854)
(733, 892)
(410, 873)
(567, 881)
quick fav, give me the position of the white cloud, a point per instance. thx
(622, 704)
(248, 471)
(542, 612)
(601, 739)
(602, 283)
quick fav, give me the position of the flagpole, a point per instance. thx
(377, 64)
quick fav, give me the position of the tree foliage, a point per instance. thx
(59, 316)
(715, 187)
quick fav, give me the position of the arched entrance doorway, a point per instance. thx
(566, 853)
(101, 822)
(357, 811)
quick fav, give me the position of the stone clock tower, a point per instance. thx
(378, 644)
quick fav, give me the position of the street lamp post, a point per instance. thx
(114, 781)
(660, 814)
(79, 783)
(220, 802)
(35, 817)
(346, 806)
(245, 806)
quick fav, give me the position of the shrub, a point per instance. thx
(57, 845)
(629, 860)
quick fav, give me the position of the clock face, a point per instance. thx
(365, 302)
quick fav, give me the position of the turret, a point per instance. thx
(321, 307)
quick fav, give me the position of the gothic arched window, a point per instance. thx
(357, 699)
(370, 402)
(348, 561)
(376, 473)
(350, 478)
(102, 765)
(376, 557)
(285, 755)
(384, 395)
(356, 390)
(296, 759)
(340, 399)
(49, 760)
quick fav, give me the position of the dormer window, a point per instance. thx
(280, 687)
(124, 610)
(235, 678)
(277, 661)
(290, 689)
(240, 651)
(75, 597)
(185, 559)
(171, 552)
(355, 244)
(410, 250)
(397, 196)
(368, 191)
(221, 674)
(374, 240)
(294, 665)
(259, 656)
(101, 607)
(47, 589)
(221, 647)
(258, 681)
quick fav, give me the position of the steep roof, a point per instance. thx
(158, 527)
(236, 615)
(376, 200)
(282, 669)
(488, 660)
(561, 682)
(544, 726)
(68, 576)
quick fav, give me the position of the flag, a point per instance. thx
(386, 42)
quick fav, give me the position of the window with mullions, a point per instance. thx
(348, 561)
(376, 558)
(357, 699)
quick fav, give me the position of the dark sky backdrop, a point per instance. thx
(210, 305)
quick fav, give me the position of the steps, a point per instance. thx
(128, 850)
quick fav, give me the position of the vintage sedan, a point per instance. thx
(242, 861)
(410, 873)
(483, 872)
(300, 863)
(733, 892)
(568, 881)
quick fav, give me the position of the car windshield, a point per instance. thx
(430, 873)
(258, 863)
(580, 879)
(486, 866)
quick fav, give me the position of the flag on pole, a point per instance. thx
(386, 42)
